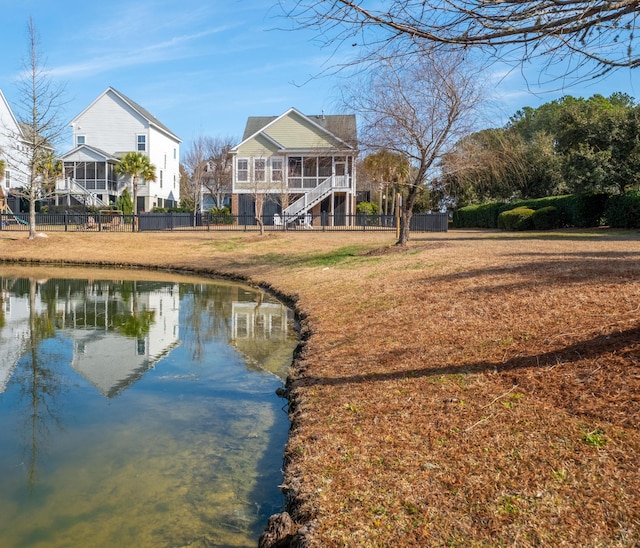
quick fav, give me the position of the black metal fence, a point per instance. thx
(116, 222)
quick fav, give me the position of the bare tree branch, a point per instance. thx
(592, 36)
(418, 110)
(40, 117)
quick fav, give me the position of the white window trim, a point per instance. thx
(138, 142)
(84, 140)
(280, 169)
(238, 179)
(7, 178)
(263, 179)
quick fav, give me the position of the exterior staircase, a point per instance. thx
(79, 193)
(302, 205)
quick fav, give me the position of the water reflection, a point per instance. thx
(141, 406)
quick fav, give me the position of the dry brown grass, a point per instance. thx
(475, 389)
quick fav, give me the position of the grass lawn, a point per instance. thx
(474, 389)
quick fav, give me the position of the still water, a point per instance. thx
(138, 409)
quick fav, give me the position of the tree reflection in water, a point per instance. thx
(63, 341)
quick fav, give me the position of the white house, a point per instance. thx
(106, 130)
(303, 165)
(13, 152)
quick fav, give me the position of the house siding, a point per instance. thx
(160, 147)
(294, 132)
(258, 147)
(111, 125)
(12, 147)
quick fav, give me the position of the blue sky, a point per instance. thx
(202, 67)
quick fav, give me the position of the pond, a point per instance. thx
(139, 408)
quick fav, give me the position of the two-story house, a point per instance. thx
(14, 155)
(298, 166)
(103, 133)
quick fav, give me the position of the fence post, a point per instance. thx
(66, 221)
(99, 221)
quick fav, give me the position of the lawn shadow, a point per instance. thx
(587, 349)
(552, 269)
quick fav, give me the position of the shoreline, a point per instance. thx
(473, 388)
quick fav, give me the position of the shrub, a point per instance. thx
(623, 211)
(582, 210)
(368, 208)
(516, 219)
(546, 218)
(220, 216)
(587, 210)
(479, 216)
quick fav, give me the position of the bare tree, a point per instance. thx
(207, 166)
(386, 170)
(219, 168)
(418, 110)
(486, 164)
(592, 35)
(260, 188)
(194, 163)
(40, 117)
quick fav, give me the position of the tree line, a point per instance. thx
(566, 146)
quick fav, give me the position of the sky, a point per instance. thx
(202, 67)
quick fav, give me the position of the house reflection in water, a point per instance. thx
(14, 332)
(259, 330)
(119, 330)
(115, 342)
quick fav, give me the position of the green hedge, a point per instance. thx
(581, 210)
(479, 216)
(516, 219)
(546, 218)
(623, 211)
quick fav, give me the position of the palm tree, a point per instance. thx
(136, 165)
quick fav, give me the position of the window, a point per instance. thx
(260, 170)
(276, 169)
(142, 143)
(160, 178)
(81, 140)
(174, 181)
(7, 179)
(165, 161)
(242, 170)
(175, 153)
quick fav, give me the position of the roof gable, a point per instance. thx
(294, 130)
(145, 114)
(87, 153)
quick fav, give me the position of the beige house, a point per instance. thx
(299, 167)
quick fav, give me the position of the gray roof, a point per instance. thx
(342, 126)
(90, 147)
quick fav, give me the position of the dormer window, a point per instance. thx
(142, 143)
